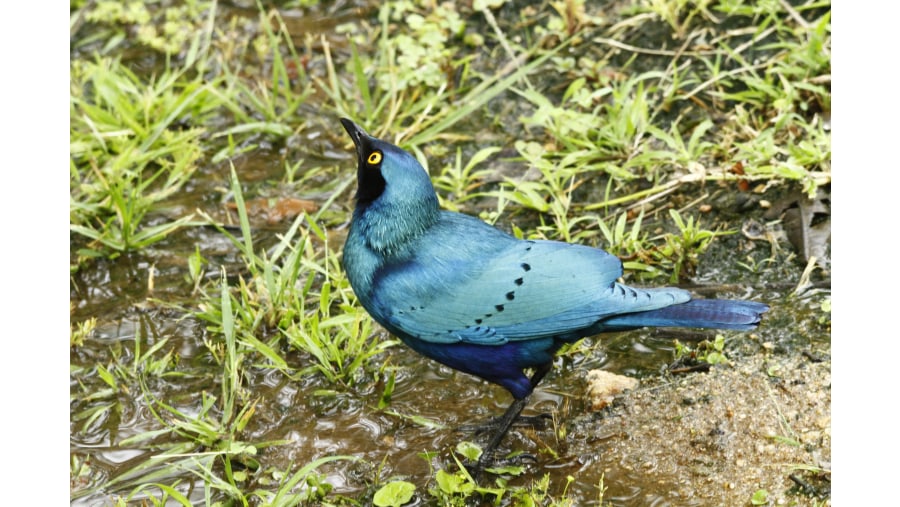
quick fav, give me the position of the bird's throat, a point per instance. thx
(390, 229)
(370, 185)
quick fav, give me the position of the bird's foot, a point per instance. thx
(486, 463)
(537, 422)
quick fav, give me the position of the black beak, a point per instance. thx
(357, 134)
(370, 182)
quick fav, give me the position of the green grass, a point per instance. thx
(127, 156)
(584, 142)
(262, 105)
(293, 292)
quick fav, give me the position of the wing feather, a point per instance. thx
(514, 294)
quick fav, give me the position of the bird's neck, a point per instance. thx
(389, 228)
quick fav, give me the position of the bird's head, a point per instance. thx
(388, 174)
(395, 200)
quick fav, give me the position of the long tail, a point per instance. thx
(705, 313)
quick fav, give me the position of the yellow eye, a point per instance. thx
(374, 158)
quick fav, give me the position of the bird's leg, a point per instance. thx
(506, 422)
(533, 421)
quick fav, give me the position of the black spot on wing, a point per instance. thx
(499, 308)
(519, 281)
(526, 266)
(510, 295)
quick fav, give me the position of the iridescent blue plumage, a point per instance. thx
(481, 301)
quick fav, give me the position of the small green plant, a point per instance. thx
(710, 353)
(760, 497)
(195, 263)
(678, 14)
(826, 311)
(80, 331)
(684, 156)
(630, 245)
(539, 494)
(459, 488)
(459, 182)
(552, 193)
(601, 490)
(571, 18)
(681, 251)
(672, 253)
(425, 53)
(394, 494)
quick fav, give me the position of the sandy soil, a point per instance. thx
(716, 438)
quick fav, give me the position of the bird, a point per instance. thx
(481, 301)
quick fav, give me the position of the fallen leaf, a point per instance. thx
(275, 210)
(807, 224)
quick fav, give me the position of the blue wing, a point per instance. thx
(517, 290)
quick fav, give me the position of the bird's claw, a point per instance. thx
(537, 422)
(487, 463)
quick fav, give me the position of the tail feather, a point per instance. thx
(700, 313)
